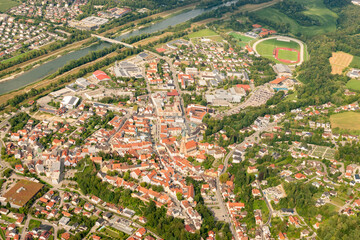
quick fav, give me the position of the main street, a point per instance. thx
(178, 89)
(250, 138)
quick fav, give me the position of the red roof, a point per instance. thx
(100, 75)
(244, 86)
(160, 50)
(278, 80)
(191, 144)
(173, 93)
(256, 26)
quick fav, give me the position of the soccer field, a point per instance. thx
(289, 55)
(266, 48)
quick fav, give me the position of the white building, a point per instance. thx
(70, 102)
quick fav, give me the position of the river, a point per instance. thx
(50, 67)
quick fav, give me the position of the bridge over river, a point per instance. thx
(109, 40)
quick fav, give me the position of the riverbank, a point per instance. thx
(19, 69)
(45, 82)
(42, 59)
(164, 15)
(37, 84)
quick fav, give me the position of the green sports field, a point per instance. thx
(289, 55)
(353, 84)
(266, 49)
(316, 9)
(241, 39)
(7, 4)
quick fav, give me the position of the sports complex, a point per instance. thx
(280, 49)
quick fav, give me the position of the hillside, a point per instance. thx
(314, 9)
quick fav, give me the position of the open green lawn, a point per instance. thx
(114, 234)
(316, 9)
(355, 63)
(216, 38)
(353, 84)
(346, 120)
(7, 4)
(34, 224)
(202, 33)
(242, 40)
(17, 56)
(288, 55)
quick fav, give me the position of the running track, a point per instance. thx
(301, 44)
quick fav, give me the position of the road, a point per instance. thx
(250, 138)
(271, 210)
(325, 170)
(29, 218)
(178, 89)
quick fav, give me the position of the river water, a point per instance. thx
(50, 67)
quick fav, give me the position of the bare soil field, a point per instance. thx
(339, 61)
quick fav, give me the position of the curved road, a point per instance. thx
(301, 44)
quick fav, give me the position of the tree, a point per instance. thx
(126, 176)
(224, 177)
(179, 196)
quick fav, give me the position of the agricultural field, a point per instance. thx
(353, 84)
(241, 39)
(355, 63)
(316, 9)
(7, 4)
(339, 61)
(284, 50)
(346, 121)
(202, 33)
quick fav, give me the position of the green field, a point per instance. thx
(242, 40)
(316, 9)
(355, 63)
(353, 84)
(7, 4)
(266, 49)
(346, 120)
(202, 33)
(289, 55)
(34, 224)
